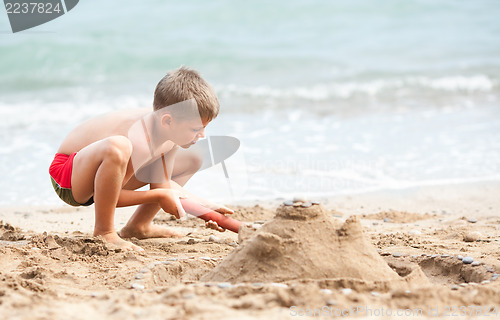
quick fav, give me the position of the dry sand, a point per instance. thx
(382, 251)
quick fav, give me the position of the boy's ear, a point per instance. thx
(166, 119)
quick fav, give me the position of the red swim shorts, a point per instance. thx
(60, 175)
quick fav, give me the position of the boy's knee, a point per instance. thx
(196, 161)
(118, 148)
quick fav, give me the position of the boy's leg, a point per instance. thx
(187, 163)
(100, 170)
(140, 224)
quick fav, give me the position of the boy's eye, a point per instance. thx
(196, 130)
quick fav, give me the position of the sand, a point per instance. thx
(370, 252)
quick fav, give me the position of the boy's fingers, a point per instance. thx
(213, 225)
(224, 210)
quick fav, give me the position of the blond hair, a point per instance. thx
(183, 84)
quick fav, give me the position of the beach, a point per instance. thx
(387, 114)
(52, 267)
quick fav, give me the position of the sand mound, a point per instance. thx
(86, 246)
(305, 243)
(10, 233)
(440, 270)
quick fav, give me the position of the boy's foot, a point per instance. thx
(152, 231)
(118, 242)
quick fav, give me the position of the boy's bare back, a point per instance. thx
(115, 123)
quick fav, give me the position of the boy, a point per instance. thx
(106, 158)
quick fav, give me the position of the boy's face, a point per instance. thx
(187, 132)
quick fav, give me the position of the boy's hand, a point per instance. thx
(213, 225)
(169, 201)
(220, 209)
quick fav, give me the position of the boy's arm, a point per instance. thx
(204, 202)
(161, 193)
(183, 193)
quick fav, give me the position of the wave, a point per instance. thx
(458, 83)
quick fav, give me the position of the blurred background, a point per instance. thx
(327, 98)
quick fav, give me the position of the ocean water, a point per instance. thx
(326, 98)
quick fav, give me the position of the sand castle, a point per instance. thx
(305, 242)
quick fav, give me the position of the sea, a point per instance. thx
(326, 98)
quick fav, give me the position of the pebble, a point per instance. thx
(315, 202)
(414, 256)
(288, 203)
(375, 223)
(475, 263)
(299, 198)
(279, 285)
(385, 254)
(434, 255)
(327, 291)
(139, 276)
(172, 259)
(472, 220)
(166, 262)
(137, 286)
(490, 269)
(387, 219)
(224, 285)
(191, 241)
(472, 236)
(346, 291)
(205, 258)
(463, 284)
(143, 271)
(455, 287)
(485, 281)
(494, 276)
(331, 302)
(257, 284)
(460, 257)
(467, 260)
(375, 293)
(415, 232)
(445, 255)
(396, 254)
(306, 205)
(213, 239)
